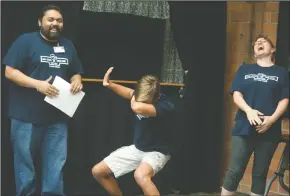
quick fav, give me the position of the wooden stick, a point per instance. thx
(127, 82)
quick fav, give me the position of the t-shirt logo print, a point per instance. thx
(54, 61)
(261, 77)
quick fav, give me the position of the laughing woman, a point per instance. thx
(261, 92)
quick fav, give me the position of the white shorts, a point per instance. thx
(128, 158)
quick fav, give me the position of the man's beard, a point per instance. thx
(51, 35)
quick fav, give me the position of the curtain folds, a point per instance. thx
(152, 9)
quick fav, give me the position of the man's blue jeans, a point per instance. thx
(49, 140)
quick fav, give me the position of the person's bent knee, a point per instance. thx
(141, 178)
(99, 172)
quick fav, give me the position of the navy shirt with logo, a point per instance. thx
(35, 57)
(262, 89)
(152, 133)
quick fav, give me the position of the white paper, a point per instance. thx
(65, 101)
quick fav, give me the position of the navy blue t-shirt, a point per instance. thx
(262, 89)
(152, 133)
(35, 57)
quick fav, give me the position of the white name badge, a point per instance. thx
(59, 49)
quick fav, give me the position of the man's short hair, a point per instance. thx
(46, 8)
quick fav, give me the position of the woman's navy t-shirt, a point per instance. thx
(262, 89)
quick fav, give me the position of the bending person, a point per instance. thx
(150, 151)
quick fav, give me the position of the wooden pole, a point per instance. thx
(127, 82)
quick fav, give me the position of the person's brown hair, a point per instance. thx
(147, 89)
(269, 41)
